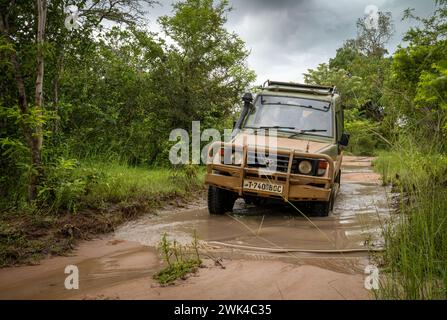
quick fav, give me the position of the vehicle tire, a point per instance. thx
(253, 201)
(220, 200)
(332, 199)
(248, 200)
(323, 208)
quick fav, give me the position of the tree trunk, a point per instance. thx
(33, 137)
(38, 98)
(37, 138)
(56, 81)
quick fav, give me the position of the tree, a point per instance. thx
(345, 56)
(351, 87)
(109, 97)
(416, 89)
(205, 72)
(372, 37)
(23, 26)
(33, 133)
(359, 67)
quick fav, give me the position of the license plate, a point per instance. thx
(263, 186)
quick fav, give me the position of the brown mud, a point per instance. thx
(319, 258)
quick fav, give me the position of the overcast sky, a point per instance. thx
(287, 37)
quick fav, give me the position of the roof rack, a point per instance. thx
(292, 86)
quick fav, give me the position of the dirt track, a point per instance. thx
(120, 266)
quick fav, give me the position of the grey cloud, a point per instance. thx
(287, 37)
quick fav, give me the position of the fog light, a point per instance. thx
(305, 167)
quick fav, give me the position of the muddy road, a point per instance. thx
(269, 252)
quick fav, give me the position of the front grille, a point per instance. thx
(264, 161)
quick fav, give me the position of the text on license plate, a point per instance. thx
(263, 186)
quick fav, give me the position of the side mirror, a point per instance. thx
(344, 139)
(234, 124)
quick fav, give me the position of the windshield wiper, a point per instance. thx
(276, 127)
(303, 131)
(288, 104)
(325, 108)
(279, 128)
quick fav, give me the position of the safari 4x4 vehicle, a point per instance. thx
(303, 163)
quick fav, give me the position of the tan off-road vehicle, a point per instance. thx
(287, 144)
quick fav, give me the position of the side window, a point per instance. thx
(339, 122)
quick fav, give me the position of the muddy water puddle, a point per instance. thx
(353, 228)
(101, 263)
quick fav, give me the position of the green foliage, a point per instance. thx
(361, 93)
(344, 56)
(351, 88)
(416, 242)
(180, 259)
(64, 186)
(14, 165)
(432, 86)
(415, 91)
(363, 134)
(122, 97)
(205, 72)
(414, 95)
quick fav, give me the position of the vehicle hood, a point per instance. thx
(299, 145)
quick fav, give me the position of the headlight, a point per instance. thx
(305, 167)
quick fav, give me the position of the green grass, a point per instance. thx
(119, 183)
(415, 260)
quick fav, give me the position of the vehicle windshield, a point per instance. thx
(289, 114)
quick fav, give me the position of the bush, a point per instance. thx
(65, 184)
(365, 134)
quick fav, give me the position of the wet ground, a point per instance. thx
(304, 257)
(353, 226)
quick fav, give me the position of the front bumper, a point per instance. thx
(296, 187)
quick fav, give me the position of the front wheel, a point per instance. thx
(220, 200)
(323, 208)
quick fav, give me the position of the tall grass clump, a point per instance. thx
(180, 259)
(415, 258)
